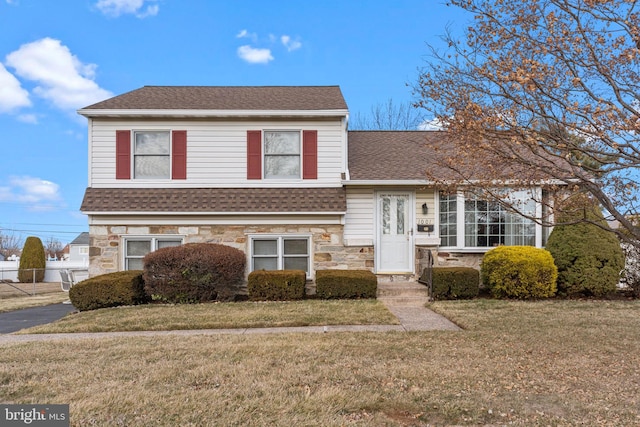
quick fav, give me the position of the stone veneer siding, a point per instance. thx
(328, 250)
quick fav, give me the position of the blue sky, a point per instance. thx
(58, 56)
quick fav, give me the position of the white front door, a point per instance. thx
(394, 252)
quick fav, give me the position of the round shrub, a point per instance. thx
(589, 258)
(521, 272)
(109, 290)
(195, 272)
(32, 257)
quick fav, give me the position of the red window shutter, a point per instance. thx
(179, 154)
(254, 154)
(310, 154)
(123, 154)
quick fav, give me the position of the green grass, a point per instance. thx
(158, 317)
(549, 363)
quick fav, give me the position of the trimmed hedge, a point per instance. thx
(195, 272)
(32, 257)
(346, 284)
(109, 290)
(521, 272)
(276, 285)
(455, 283)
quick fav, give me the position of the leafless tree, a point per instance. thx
(10, 244)
(551, 86)
(53, 248)
(388, 116)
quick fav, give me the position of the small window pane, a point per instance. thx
(152, 143)
(295, 247)
(265, 247)
(138, 247)
(134, 264)
(265, 263)
(282, 143)
(152, 166)
(168, 243)
(282, 167)
(296, 263)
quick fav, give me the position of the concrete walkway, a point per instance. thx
(412, 318)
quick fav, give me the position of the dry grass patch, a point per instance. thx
(558, 363)
(19, 302)
(162, 317)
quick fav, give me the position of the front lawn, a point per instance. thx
(164, 317)
(549, 363)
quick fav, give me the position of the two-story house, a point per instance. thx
(275, 172)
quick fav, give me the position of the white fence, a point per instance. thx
(9, 270)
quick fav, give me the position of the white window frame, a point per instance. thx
(265, 155)
(134, 155)
(460, 223)
(153, 239)
(280, 238)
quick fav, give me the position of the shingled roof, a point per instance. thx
(252, 98)
(215, 200)
(392, 155)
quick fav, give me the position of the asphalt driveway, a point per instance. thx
(12, 321)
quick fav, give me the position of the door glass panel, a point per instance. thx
(386, 215)
(400, 208)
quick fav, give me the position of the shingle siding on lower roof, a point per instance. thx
(215, 200)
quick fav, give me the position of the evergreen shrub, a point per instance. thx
(32, 257)
(276, 285)
(195, 272)
(346, 284)
(521, 272)
(455, 283)
(589, 258)
(109, 290)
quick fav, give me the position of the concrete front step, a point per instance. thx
(402, 289)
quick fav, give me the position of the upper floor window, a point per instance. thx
(151, 155)
(286, 155)
(282, 155)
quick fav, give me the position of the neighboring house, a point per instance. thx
(79, 248)
(275, 172)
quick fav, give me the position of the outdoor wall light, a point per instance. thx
(425, 208)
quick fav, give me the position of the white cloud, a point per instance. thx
(38, 194)
(12, 95)
(116, 8)
(254, 55)
(61, 77)
(290, 44)
(28, 118)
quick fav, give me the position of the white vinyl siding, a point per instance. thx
(359, 220)
(216, 151)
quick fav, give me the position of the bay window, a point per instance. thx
(469, 221)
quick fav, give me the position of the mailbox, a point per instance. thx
(425, 228)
